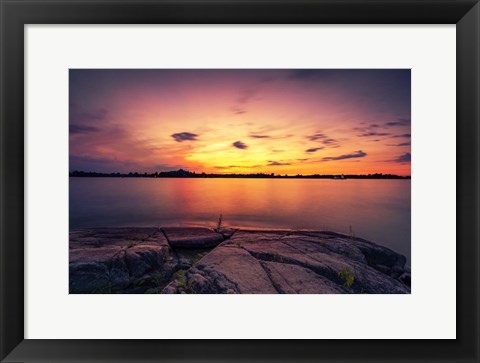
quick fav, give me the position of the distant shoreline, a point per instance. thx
(187, 174)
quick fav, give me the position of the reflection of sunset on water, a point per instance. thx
(378, 210)
(241, 121)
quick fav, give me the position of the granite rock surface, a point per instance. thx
(206, 261)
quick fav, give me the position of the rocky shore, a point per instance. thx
(204, 261)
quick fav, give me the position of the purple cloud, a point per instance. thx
(356, 154)
(368, 134)
(259, 136)
(401, 144)
(399, 122)
(405, 158)
(240, 145)
(317, 136)
(276, 163)
(314, 149)
(402, 135)
(82, 129)
(184, 136)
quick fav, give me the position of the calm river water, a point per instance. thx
(377, 210)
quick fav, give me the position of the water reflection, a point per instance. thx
(378, 210)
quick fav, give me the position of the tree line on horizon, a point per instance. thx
(191, 174)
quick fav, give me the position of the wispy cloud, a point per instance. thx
(226, 167)
(237, 166)
(314, 149)
(317, 136)
(401, 144)
(276, 163)
(356, 154)
(82, 129)
(259, 136)
(324, 139)
(405, 158)
(309, 74)
(84, 121)
(371, 130)
(78, 115)
(373, 133)
(329, 141)
(246, 95)
(402, 135)
(238, 110)
(240, 145)
(242, 100)
(184, 136)
(398, 122)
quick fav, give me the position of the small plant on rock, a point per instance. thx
(219, 223)
(323, 241)
(347, 276)
(351, 235)
(180, 278)
(198, 257)
(159, 280)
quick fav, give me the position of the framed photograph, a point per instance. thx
(240, 181)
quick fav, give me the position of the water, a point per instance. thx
(377, 210)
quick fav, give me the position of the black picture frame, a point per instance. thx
(15, 14)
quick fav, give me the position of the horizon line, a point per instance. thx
(192, 174)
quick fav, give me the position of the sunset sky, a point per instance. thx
(241, 121)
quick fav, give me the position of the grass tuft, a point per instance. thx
(198, 257)
(180, 278)
(347, 275)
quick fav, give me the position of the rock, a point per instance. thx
(279, 262)
(87, 278)
(406, 279)
(172, 288)
(377, 257)
(225, 232)
(198, 283)
(192, 237)
(140, 260)
(108, 260)
(329, 257)
(146, 257)
(293, 279)
(100, 237)
(227, 269)
(102, 255)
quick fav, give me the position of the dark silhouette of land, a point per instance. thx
(191, 174)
